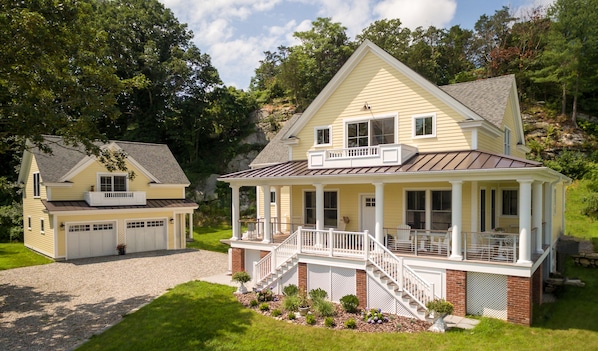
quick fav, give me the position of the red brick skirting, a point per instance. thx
(361, 287)
(456, 291)
(238, 260)
(519, 304)
(302, 276)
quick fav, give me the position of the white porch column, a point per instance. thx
(456, 219)
(191, 225)
(267, 217)
(319, 206)
(235, 214)
(379, 212)
(278, 209)
(537, 210)
(525, 209)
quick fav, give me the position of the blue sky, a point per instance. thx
(235, 33)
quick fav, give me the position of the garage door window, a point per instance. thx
(136, 225)
(107, 226)
(79, 228)
(155, 224)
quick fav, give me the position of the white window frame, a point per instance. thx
(507, 141)
(42, 226)
(428, 203)
(29, 222)
(323, 128)
(414, 119)
(368, 119)
(501, 208)
(112, 175)
(338, 204)
(37, 189)
(272, 197)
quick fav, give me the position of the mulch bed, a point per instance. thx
(395, 323)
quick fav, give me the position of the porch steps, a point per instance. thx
(279, 272)
(394, 290)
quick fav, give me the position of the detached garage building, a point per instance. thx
(73, 207)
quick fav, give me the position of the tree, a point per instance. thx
(55, 76)
(491, 34)
(388, 35)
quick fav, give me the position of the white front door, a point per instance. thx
(368, 213)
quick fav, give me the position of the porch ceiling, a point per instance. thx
(422, 162)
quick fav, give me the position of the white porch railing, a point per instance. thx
(281, 254)
(115, 198)
(366, 156)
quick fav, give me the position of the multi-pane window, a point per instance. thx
(423, 126)
(416, 209)
(113, 183)
(507, 141)
(323, 136)
(36, 185)
(330, 208)
(373, 132)
(509, 202)
(441, 209)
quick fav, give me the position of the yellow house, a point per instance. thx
(401, 192)
(73, 207)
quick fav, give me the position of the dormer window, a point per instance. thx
(113, 183)
(322, 136)
(376, 131)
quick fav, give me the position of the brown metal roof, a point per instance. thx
(81, 205)
(423, 162)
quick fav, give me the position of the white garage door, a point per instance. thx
(90, 240)
(146, 235)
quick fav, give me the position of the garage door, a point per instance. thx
(90, 240)
(146, 235)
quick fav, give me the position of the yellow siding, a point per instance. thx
(83, 181)
(387, 91)
(285, 210)
(496, 144)
(33, 207)
(120, 219)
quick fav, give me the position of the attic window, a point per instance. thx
(507, 141)
(372, 132)
(113, 183)
(36, 185)
(322, 136)
(424, 126)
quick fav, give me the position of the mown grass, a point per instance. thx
(576, 223)
(208, 238)
(15, 255)
(205, 316)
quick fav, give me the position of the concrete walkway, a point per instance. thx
(450, 320)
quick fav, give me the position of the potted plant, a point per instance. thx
(121, 248)
(241, 277)
(303, 302)
(440, 308)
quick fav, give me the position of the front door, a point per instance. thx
(368, 213)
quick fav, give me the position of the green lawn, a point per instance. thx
(576, 223)
(208, 238)
(15, 255)
(205, 316)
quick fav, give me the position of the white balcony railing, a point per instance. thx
(380, 155)
(115, 198)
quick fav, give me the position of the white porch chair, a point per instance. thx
(442, 242)
(402, 238)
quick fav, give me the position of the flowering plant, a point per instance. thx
(265, 294)
(121, 246)
(375, 316)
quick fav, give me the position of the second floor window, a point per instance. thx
(323, 136)
(113, 183)
(369, 133)
(36, 185)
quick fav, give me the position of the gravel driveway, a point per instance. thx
(58, 306)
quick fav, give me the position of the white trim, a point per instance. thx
(99, 176)
(318, 128)
(43, 252)
(419, 116)
(121, 211)
(368, 119)
(28, 222)
(58, 185)
(42, 226)
(507, 141)
(163, 185)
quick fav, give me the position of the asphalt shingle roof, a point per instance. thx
(276, 151)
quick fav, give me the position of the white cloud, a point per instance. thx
(413, 14)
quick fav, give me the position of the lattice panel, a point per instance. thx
(290, 277)
(487, 295)
(318, 277)
(378, 297)
(251, 257)
(343, 283)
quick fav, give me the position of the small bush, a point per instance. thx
(350, 303)
(290, 290)
(440, 306)
(318, 294)
(329, 322)
(292, 316)
(291, 303)
(310, 319)
(276, 312)
(264, 307)
(350, 323)
(324, 308)
(265, 295)
(253, 303)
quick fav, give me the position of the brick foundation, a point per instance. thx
(456, 291)
(361, 287)
(537, 286)
(238, 258)
(302, 276)
(519, 304)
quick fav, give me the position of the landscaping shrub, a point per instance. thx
(351, 323)
(290, 290)
(318, 294)
(375, 316)
(329, 322)
(292, 316)
(254, 303)
(276, 313)
(291, 303)
(265, 294)
(350, 303)
(264, 306)
(310, 319)
(324, 308)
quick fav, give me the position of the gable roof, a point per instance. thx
(155, 159)
(275, 151)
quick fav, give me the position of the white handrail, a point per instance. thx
(281, 253)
